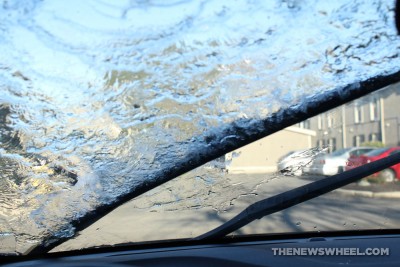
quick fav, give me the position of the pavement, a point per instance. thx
(203, 205)
(202, 200)
(374, 190)
(369, 193)
(367, 189)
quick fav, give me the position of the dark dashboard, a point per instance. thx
(249, 253)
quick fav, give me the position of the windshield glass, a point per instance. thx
(99, 98)
(340, 152)
(376, 152)
(210, 195)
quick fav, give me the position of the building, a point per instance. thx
(373, 118)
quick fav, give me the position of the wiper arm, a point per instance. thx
(298, 195)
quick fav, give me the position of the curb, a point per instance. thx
(394, 194)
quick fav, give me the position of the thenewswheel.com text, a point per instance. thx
(330, 252)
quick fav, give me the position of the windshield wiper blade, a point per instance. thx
(298, 195)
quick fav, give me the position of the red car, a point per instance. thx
(389, 174)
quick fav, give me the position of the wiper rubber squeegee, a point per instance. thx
(298, 195)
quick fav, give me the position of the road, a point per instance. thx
(193, 205)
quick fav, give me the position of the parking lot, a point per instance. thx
(158, 216)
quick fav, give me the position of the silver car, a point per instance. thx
(334, 163)
(295, 162)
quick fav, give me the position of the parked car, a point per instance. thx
(389, 174)
(295, 161)
(289, 163)
(334, 163)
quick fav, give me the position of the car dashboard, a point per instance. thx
(244, 253)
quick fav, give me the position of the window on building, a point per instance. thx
(331, 144)
(358, 140)
(321, 143)
(358, 114)
(330, 121)
(305, 124)
(319, 118)
(374, 110)
(374, 137)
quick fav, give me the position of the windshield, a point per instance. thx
(376, 152)
(340, 152)
(99, 98)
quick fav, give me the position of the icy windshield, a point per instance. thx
(99, 97)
